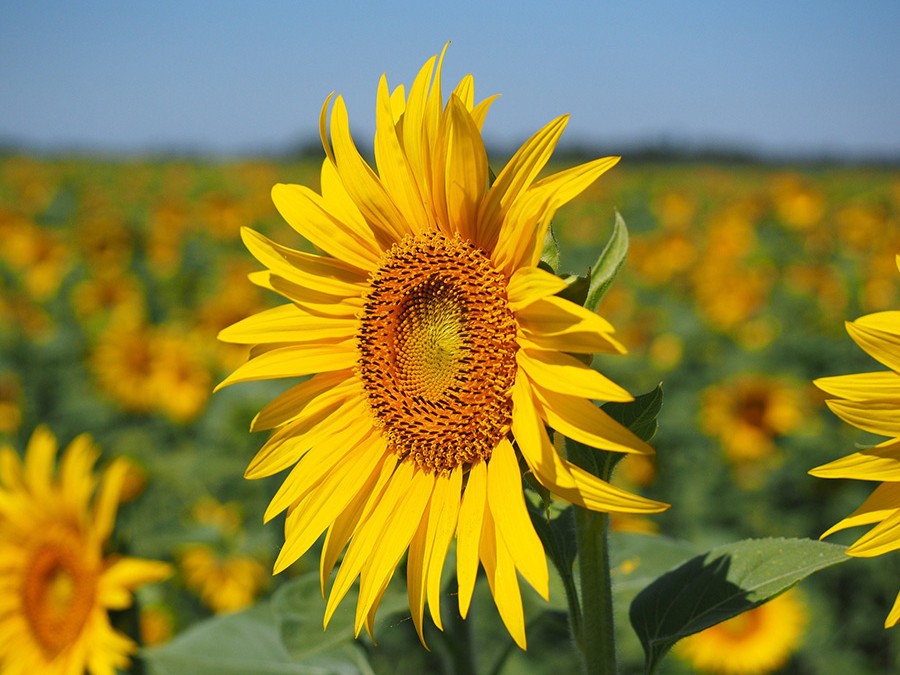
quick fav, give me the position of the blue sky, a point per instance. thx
(806, 76)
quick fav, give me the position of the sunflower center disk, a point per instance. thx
(437, 352)
(58, 592)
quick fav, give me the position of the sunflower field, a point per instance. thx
(117, 276)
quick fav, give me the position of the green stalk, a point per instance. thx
(597, 638)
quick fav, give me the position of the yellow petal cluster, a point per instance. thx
(871, 402)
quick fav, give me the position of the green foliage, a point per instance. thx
(721, 584)
(248, 642)
(611, 259)
(640, 415)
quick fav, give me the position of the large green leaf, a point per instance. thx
(299, 610)
(721, 584)
(611, 259)
(247, 643)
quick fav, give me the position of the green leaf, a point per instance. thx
(636, 560)
(608, 264)
(550, 251)
(721, 584)
(639, 415)
(299, 610)
(577, 289)
(248, 642)
(558, 536)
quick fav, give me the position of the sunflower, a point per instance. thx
(56, 585)
(871, 401)
(749, 412)
(438, 350)
(755, 642)
(224, 583)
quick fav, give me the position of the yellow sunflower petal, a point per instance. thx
(76, 469)
(514, 528)
(429, 548)
(529, 284)
(294, 361)
(378, 537)
(879, 335)
(415, 573)
(293, 403)
(564, 374)
(393, 166)
(468, 534)
(321, 506)
(883, 538)
(894, 615)
(554, 315)
(313, 301)
(465, 91)
(502, 580)
(319, 273)
(40, 455)
(124, 575)
(465, 169)
(340, 203)
(305, 211)
(862, 386)
(391, 543)
(480, 111)
(555, 324)
(290, 443)
(561, 477)
(447, 505)
(881, 504)
(323, 129)
(361, 182)
(107, 502)
(598, 495)
(582, 421)
(513, 180)
(413, 123)
(345, 524)
(11, 475)
(398, 103)
(288, 323)
(878, 417)
(370, 616)
(881, 462)
(330, 445)
(561, 188)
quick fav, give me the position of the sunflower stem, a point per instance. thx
(597, 638)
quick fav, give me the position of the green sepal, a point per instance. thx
(639, 416)
(550, 251)
(611, 259)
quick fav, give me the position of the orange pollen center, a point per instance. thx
(437, 349)
(59, 590)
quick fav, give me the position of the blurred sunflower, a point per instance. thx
(871, 401)
(153, 369)
(435, 342)
(748, 413)
(755, 642)
(56, 586)
(224, 583)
